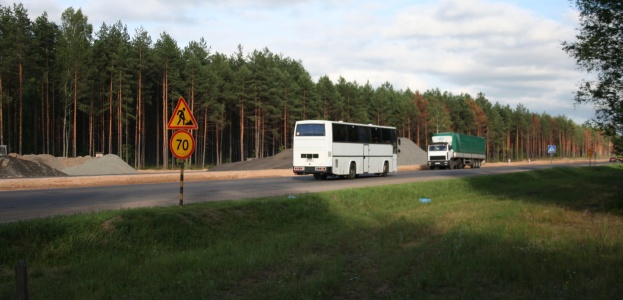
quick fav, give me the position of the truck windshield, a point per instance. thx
(437, 148)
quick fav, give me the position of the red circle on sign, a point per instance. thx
(182, 144)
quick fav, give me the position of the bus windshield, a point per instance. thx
(310, 130)
(437, 148)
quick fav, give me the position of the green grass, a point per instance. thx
(551, 234)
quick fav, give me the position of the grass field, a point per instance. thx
(550, 234)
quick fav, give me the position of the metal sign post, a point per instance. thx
(590, 156)
(182, 184)
(182, 143)
(551, 149)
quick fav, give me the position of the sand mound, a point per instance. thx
(108, 164)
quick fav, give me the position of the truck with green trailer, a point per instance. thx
(451, 150)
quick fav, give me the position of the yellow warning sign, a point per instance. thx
(182, 117)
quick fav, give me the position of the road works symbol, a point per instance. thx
(182, 117)
(182, 144)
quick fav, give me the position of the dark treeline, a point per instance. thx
(71, 90)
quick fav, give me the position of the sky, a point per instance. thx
(508, 50)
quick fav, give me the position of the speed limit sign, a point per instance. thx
(182, 144)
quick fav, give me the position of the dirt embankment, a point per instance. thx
(46, 171)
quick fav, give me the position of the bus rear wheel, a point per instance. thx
(352, 171)
(385, 169)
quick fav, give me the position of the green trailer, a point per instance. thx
(455, 151)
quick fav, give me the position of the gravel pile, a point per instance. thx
(12, 167)
(282, 160)
(108, 164)
(59, 163)
(410, 154)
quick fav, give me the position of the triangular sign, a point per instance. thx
(182, 117)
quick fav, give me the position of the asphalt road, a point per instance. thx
(21, 205)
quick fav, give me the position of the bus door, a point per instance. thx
(366, 158)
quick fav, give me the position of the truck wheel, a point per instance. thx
(385, 169)
(352, 171)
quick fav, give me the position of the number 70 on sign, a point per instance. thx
(182, 144)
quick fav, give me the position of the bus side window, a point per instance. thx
(353, 134)
(339, 133)
(377, 135)
(364, 134)
(393, 139)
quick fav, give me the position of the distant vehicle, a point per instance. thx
(613, 159)
(455, 151)
(334, 148)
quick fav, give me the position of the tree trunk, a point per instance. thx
(257, 125)
(120, 121)
(263, 133)
(165, 97)
(417, 133)
(64, 134)
(91, 150)
(110, 116)
(42, 132)
(508, 143)
(242, 117)
(102, 121)
(75, 123)
(205, 138)
(1, 127)
(217, 144)
(137, 129)
(409, 128)
(285, 119)
(47, 115)
(21, 93)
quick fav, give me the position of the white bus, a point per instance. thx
(330, 148)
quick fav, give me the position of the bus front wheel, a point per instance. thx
(352, 172)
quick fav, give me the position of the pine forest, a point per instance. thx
(72, 90)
